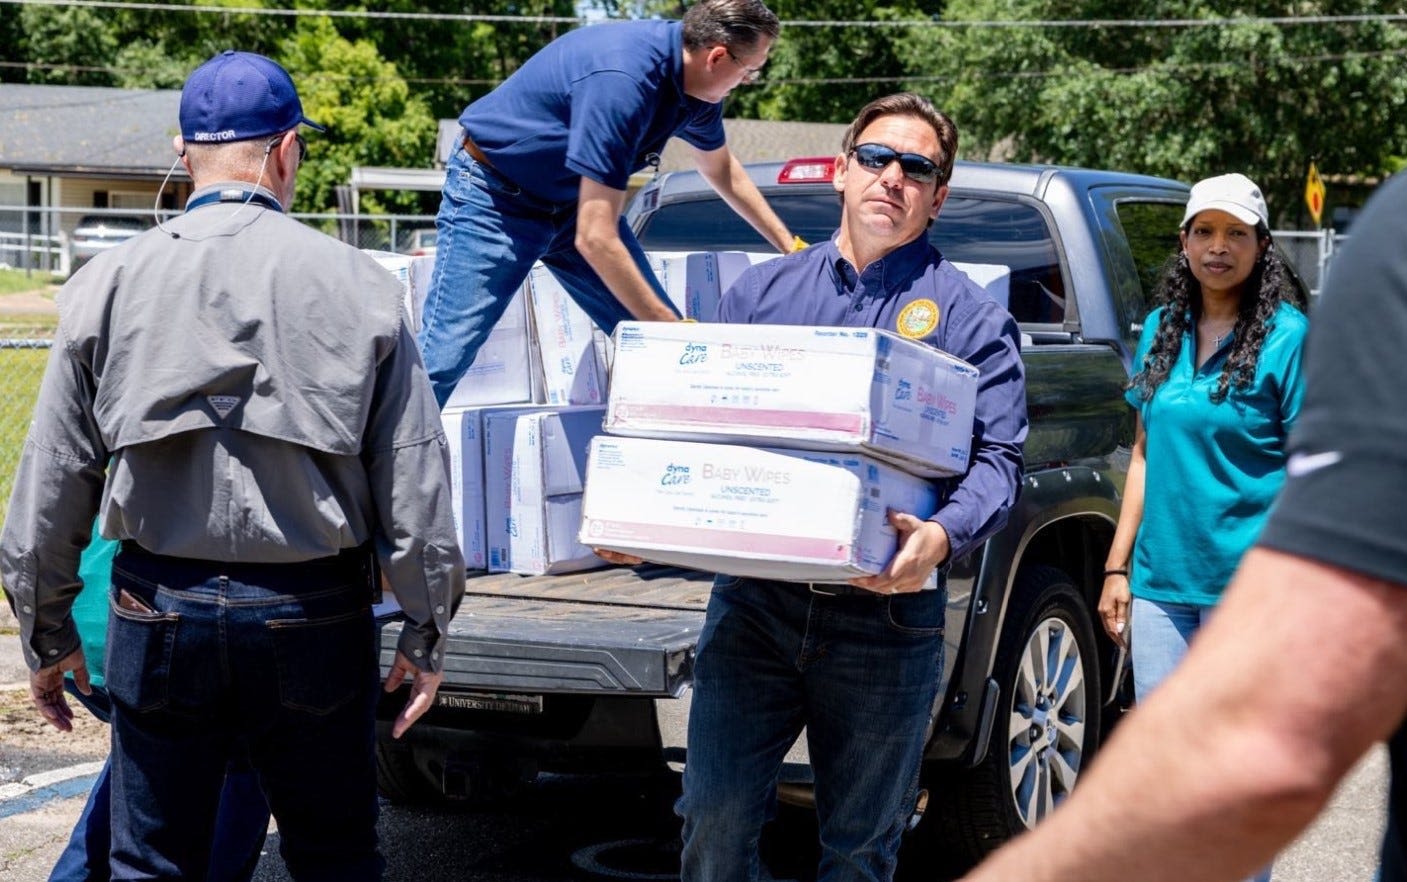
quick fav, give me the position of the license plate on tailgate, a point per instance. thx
(499, 702)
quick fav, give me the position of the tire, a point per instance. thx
(400, 780)
(1047, 727)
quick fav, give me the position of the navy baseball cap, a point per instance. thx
(236, 96)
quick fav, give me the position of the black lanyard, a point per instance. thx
(235, 194)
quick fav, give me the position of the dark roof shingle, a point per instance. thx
(87, 130)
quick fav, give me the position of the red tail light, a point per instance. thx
(808, 170)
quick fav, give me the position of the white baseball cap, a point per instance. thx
(1237, 195)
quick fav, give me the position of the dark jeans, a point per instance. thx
(273, 660)
(239, 829)
(859, 670)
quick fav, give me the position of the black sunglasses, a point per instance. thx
(302, 145)
(914, 166)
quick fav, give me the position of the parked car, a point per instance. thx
(591, 671)
(419, 242)
(97, 233)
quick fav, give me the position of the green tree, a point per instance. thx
(69, 45)
(439, 56)
(1255, 97)
(371, 115)
(825, 74)
(160, 47)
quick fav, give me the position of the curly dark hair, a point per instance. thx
(1180, 295)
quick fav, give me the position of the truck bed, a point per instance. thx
(618, 630)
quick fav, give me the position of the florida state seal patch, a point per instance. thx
(918, 319)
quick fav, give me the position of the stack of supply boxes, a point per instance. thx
(772, 451)
(521, 420)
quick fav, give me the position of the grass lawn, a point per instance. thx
(27, 306)
(13, 281)
(20, 373)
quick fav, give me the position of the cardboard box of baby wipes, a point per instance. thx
(506, 370)
(691, 280)
(414, 275)
(573, 371)
(793, 515)
(605, 353)
(466, 463)
(791, 386)
(422, 269)
(732, 263)
(534, 469)
(993, 278)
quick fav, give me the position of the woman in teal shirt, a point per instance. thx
(1217, 386)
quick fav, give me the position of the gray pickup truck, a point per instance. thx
(590, 672)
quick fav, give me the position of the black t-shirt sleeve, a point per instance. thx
(1345, 496)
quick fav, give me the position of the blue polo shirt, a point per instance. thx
(598, 102)
(914, 292)
(1213, 470)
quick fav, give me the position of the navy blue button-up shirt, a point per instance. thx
(916, 293)
(597, 102)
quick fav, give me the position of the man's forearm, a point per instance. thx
(731, 181)
(613, 263)
(1229, 759)
(599, 243)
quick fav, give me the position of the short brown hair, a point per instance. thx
(738, 23)
(919, 107)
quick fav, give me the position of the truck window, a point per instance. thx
(1005, 246)
(1151, 231)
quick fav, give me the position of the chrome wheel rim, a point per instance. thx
(1046, 734)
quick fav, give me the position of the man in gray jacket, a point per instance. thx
(236, 397)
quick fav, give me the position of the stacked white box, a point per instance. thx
(505, 371)
(463, 428)
(790, 386)
(573, 370)
(793, 515)
(993, 278)
(399, 265)
(690, 279)
(422, 268)
(534, 471)
(605, 350)
(732, 263)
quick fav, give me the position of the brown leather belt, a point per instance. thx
(474, 151)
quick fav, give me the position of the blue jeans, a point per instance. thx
(275, 662)
(490, 232)
(860, 671)
(1158, 642)
(239, 829)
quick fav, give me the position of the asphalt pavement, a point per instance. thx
(553, 833)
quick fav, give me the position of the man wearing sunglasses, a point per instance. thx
(857, 665)
(545, 159)
(236, 397)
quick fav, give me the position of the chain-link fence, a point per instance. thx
(1309, 253)
(59, 240)
(47, 244)
(22, 362)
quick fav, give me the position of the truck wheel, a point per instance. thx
(1047, 727)
(400, 780)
